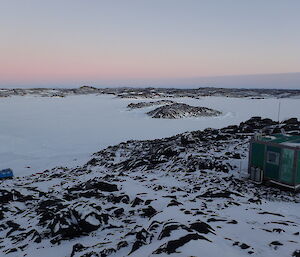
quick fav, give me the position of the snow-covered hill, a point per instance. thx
(180, 196)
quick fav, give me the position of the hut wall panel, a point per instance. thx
(298, 169)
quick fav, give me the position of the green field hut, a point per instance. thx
(275, 159)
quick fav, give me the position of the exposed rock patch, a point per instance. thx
(148, 104)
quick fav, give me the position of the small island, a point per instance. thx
(181, 110)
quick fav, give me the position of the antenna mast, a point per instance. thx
(278, 111)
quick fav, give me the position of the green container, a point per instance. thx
(277, 157)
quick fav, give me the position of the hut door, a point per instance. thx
(272, 162)
(287, 166)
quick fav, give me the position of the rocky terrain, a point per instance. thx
(181, 196)
(148, 104)
(153, 92)
(181, 110)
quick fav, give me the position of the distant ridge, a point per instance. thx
(151, 92)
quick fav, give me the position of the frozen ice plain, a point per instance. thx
(236, 217)
(39, 131)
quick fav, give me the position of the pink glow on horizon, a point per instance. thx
(32, 66)
(62, 40)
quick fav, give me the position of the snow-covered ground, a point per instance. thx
(37, 133)
(178, 196)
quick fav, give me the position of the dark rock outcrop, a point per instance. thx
(181, 110)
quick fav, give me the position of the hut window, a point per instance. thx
(273, 158)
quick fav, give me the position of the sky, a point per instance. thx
(144, 43)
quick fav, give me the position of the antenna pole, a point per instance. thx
(278, 111)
